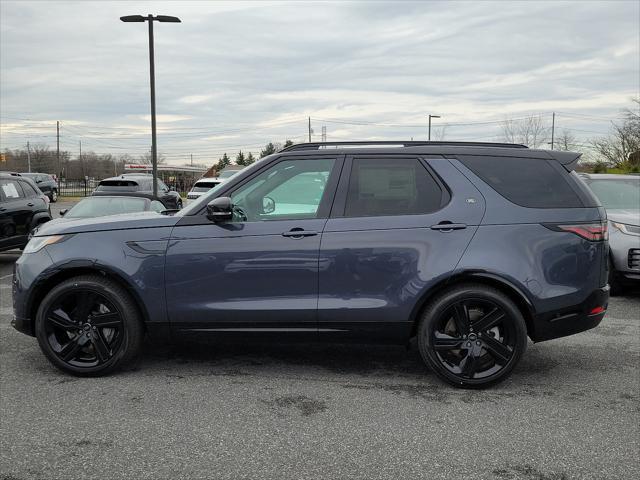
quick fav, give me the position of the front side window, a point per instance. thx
(292, 189)
(400, 186)
(11, 189)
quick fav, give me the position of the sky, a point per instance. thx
(237, 75)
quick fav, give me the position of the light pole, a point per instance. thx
(152, 78)
(430, 117)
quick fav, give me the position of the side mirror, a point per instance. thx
(268, 205)
(63, 212)
(220, 209)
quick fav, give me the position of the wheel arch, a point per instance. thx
(46, 284)
(496, 281)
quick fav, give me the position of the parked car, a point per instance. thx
(91, 207)
(46, 183)
(620, 195)
(23, 207)
(139, 185)
(468, 247)
(201, 187)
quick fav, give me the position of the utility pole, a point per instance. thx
(192, 159)
(309, 129)
(553, 129)
(80, 157)
(324, 133)
(430, 117)
(29, 156)
(152, 80)
(58, 148)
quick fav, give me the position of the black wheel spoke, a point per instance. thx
(104, 320)
(446, 342)
(497, 349)
(461, 317)
(71, 349)
(61, 319)
(86, 301)
(100, 347)
(469, 365)
(488, 321)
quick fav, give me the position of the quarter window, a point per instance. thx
(400, 186)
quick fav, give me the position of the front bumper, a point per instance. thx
(573, 319)
(27, 270)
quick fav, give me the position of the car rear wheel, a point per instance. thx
(89, 326)
(472, 336)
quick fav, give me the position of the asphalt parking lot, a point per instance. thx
(571, 410)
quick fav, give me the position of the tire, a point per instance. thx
(463, 352)
(54, 196)
(179, 204)
(616, 287)
(89, 326)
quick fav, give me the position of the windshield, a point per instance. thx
(623, 193)
(99, 206)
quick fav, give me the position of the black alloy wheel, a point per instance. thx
(88, 326)
(472, 336)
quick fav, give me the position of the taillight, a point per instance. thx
(594, 232)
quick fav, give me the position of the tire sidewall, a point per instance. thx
(441, 304)
(113, 297)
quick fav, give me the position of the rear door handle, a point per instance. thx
(448, 227)
(299, 233)
(30, 204)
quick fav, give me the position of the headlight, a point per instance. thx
(38, 243)
(626, 229)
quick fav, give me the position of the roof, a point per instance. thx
(609, 176)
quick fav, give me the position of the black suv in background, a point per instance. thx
(139, 185)
(22, 208)
(46, 183)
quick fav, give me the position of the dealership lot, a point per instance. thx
(570, 410)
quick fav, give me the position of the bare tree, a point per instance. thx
(439, 133)
(565, 141)
(530, 131)
(622, 145)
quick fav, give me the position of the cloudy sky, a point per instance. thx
(237, 75)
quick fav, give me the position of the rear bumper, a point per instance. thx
(571, 320)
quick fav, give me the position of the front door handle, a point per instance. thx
(448, 227)
(30, 204)
(299, 233)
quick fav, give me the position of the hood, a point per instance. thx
(628, 217)
(61, 226)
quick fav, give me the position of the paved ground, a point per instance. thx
(571, 410)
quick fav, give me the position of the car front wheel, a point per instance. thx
(89, 326)
(54, 196)
(472, 336)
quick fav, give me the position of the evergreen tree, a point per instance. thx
(288, 143)
(268, 150)
(240, 159)
(223, 162)
(250, 159)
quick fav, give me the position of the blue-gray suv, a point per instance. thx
(470, 248)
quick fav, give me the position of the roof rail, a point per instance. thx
(400, 143)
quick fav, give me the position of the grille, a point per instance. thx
(634, 258)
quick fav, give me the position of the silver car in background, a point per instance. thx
(620, 196)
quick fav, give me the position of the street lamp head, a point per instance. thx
(434, 116)
(167, 18)
(133, 18)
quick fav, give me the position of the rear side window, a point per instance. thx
(399, 186)
(528, 182)
(29, 191)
